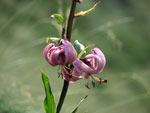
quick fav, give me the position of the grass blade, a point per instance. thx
(76, 108)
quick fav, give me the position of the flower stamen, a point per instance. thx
(98, 79)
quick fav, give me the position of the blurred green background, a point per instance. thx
(120, 28)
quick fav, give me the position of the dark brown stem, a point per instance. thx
(70, 21)
(63, 95)
(63, 33)
(68, 36)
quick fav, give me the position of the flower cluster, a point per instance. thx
(73, 67)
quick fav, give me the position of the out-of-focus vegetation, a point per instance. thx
(120, 28)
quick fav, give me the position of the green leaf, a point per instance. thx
(83, 13)
(76, 108)
(52, 40)
(58, 18)
(84, 51)
(79, 47)
(49, 103)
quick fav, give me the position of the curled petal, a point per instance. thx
(98, 52)
(99, 61)
(57, 56)
(83, 69)
(68, 77)
(79, 76)
(70, 52)
(46, 52)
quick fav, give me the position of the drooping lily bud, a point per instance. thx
(63, 54)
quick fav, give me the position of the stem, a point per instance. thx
(68, 36)
(63, 95)
(70, 21)
(63, 33)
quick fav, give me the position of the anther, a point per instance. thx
(87, 86)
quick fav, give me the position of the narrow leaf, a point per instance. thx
(78, 46)
(49, 103)
(83, 51)
(83, 13)
(52, 40)
(48, 40)
(58, 18)
(76, 108)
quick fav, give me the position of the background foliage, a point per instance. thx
(120, 28)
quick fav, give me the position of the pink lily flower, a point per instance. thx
(61, 55)
(85, 67)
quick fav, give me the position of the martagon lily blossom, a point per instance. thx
(83, 68)
(61, 55)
